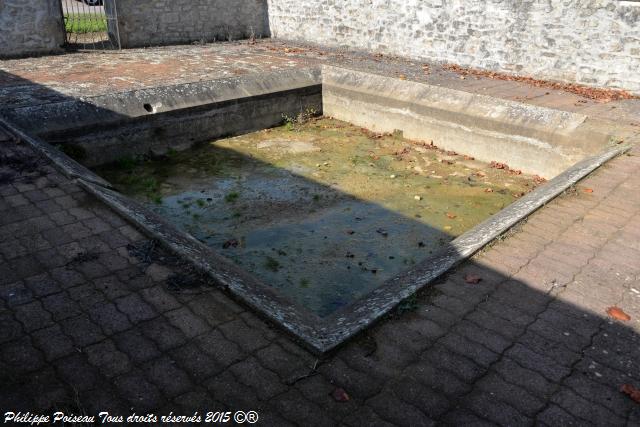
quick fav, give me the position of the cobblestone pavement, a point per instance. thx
(89, 325)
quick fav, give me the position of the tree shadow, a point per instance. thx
(529, 341)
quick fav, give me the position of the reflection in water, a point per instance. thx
(326, 211)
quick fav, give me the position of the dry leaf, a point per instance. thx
(588, 190)
(340, 395)
(472, 279)
(601, 95)
(631, 391)
(451, 215)
(618, 314)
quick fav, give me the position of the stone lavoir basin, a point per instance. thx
(323, 211)
(324, 197)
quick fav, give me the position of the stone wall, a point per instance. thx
(158, 22)
(30, 27)
(593, 42)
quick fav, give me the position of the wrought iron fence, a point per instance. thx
(91, 24)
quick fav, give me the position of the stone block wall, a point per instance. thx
(593, 42)
(30, 27)
(157, 22)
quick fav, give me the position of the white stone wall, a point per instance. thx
(156, 22)
(593, 42)
(30, 27)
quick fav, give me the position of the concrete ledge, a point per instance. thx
(533, 139)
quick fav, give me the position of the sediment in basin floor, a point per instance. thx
(322, 210)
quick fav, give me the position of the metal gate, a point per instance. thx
(91, 24)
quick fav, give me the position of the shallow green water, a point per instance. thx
(326, 212)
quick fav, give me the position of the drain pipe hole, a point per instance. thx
(149, 108)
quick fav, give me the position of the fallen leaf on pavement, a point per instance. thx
(631, 391)
(340, 395)
(472, 279)
(618, 314)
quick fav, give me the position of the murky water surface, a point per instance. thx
(323, 211)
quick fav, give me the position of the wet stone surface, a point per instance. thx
(322, 210)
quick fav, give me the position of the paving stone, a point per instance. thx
(104, 397)
(225, 352)
(210, 309)
(165, 373)
(197, 400)
(61, 306)
(550, 349)
(463, 367)
(33, 316)
(82, 330)
(554, 415)
(36, 195)
(247, 338)
(543, 365)
(107, 358)
(51, 259)
(21, 356)
(394, 410)
(160, 299)
(198, 364)
(487, 338)
(365, 417)
(113, 238)
(92, 269)
(96, 225)
(10, 329)
(42, 285)
(465, 347)
(430, 402)
(319, 390)
(608, 395)
(45, 388)
(94, 245)
(358, 384)
(15, 294)
(165, 336)
(464, 417)
(438, 379)
(135, 308)
(530, 380)
(190, 324)
(11, 248)
(25, 266)
(113, 262)
(265, 383)
(286, 365)
(142, 395)
(511, 394)
(489, 407)
(110, 319)
(57, 236)
(137, 346)
(111, 287)
(226, 388)
(582, 408)
(300, 411)
(53, 342)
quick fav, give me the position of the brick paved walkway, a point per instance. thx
(85, 326)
